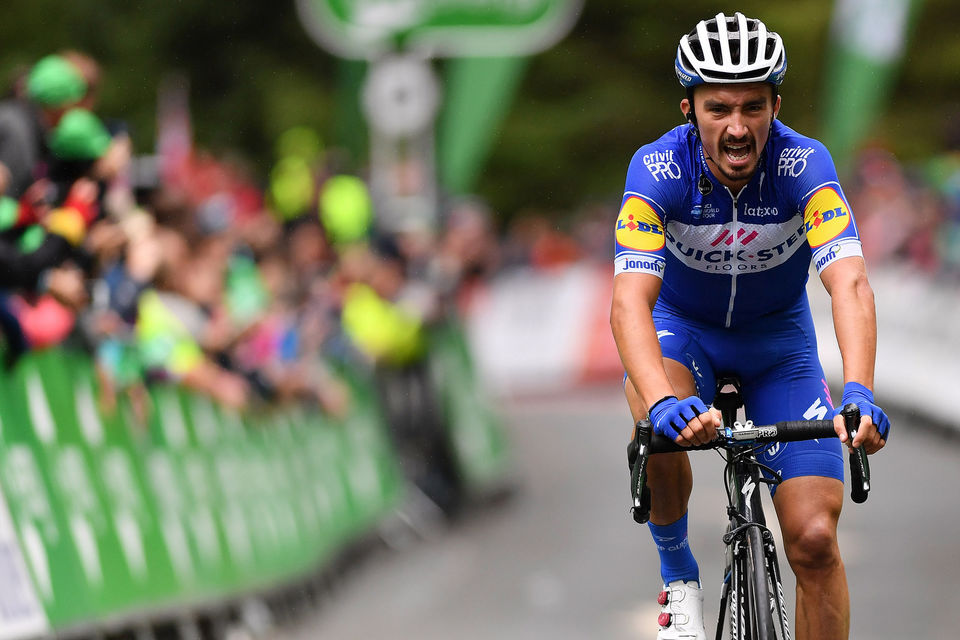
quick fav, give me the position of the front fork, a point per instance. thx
(745, 507)
(773, 567)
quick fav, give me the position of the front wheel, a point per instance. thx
(760, 603)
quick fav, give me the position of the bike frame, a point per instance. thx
(752, 556)
(752, 591)
(752, 581)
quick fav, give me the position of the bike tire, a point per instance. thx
(762, 625)
(737, 605)
(776, 594)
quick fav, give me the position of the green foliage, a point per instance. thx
(609, 87)
(253, 70)
(583, 107)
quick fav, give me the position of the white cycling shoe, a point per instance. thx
(681, 612)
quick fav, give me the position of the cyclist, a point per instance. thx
(720, 220)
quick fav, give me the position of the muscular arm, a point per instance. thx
(631, 318)
(854, 318)
(855, 323)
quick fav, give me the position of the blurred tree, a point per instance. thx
(253, 72)
(583, 107)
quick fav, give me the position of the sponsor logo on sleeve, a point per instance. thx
(662, 165)
(793, 161)
(825, 217)
(828, 257)
(639, 227)
(830, 253)
(630, 262)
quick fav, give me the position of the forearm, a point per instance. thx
(631, 320)
(855, 323)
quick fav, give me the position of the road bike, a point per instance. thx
(752, 592)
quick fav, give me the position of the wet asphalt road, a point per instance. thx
(564, 560)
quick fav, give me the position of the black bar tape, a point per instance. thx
(794, 430)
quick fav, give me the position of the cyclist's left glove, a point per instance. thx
(862, 397)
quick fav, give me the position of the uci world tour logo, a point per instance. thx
(639, 227)
(826, 217)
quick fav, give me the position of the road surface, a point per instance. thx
(565, 561)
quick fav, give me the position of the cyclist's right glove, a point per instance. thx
(670, 416)
(862, 397)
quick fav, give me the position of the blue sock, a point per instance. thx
(676, 559)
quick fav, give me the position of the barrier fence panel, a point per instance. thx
(479, 441)
(31, 528)
(104, 515)
(178, 479)
(60, 527)
(116, 440)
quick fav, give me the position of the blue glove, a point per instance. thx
(862, 397)
(670, 416)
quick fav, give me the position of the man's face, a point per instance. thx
(734, 122)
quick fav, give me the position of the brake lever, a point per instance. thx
(638, 452)
(859, 466)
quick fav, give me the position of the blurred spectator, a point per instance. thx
(469, 248)
(536, 239)
(884, 205)
(89, 70)
(908, 215)
(52, 86)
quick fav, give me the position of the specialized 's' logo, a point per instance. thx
(826, 217)
(748, 488)
(816, 411)
(638, 226)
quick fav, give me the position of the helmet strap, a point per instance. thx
(692, 115)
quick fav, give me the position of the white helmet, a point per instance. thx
(730, 50)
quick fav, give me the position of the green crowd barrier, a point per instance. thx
(102, 516)
(477, 436)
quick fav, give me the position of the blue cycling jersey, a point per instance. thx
(726, 258)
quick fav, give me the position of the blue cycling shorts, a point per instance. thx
(776, 359)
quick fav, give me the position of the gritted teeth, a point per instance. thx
(737, 151)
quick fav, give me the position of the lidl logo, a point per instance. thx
(826, 217)
(639, 227)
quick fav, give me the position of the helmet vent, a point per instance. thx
(771, 46)
(752, 45)
(730, 49)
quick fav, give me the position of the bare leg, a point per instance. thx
(809, 508)
(668, 475)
